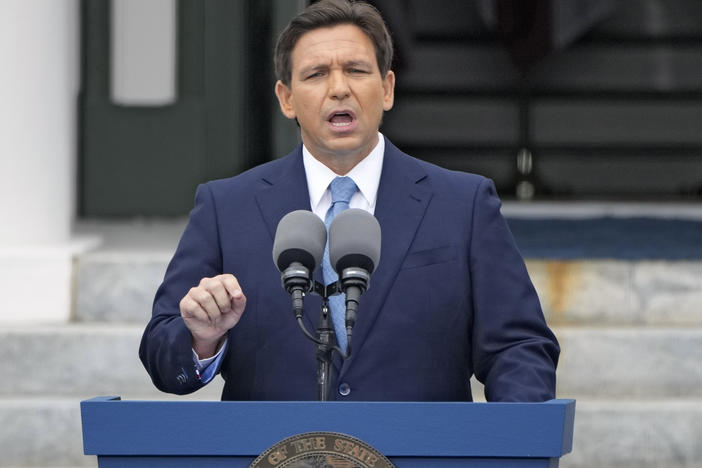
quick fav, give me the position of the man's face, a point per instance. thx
(337, 94)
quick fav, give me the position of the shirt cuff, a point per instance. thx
(208, 368)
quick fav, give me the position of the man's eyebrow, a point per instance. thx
(321, 66)
(313, 67)
(357, 63)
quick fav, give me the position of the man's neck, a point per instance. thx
(340, 166)
(341, 163)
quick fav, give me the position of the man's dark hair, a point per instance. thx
(328, 13)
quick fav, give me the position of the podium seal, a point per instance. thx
(321, 450)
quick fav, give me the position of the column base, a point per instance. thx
(37, 281)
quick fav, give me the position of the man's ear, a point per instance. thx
(388, 90)
(285, 99)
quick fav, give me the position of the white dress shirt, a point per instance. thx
(366, 175)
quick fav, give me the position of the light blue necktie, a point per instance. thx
(342, 189)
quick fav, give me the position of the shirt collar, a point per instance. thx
(366, 174)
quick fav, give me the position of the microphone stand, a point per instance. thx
(296, 282)
(326, 342)
(324, 338)
(325, 335)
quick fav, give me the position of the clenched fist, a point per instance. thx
(210, 309)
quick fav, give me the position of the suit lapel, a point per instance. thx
(285, 190)
(400, 207)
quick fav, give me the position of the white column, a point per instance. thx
(39, 83)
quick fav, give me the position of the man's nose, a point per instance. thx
(338, 85)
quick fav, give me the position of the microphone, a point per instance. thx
(297, 252)
(354, 252)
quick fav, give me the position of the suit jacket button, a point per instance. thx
(344, 389)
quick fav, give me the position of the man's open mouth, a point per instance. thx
(341, 119)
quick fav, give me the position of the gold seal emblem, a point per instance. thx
(321, 450)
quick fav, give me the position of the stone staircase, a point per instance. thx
(630, 332)
(49, 368)
(631, 340)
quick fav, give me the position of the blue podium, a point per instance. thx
(232, 434)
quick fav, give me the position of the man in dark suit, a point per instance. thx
(450, 297)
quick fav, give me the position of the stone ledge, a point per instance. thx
(42, 433)
(83, 361)
(629, 362)
(80, 361)
(117, 283)
(118, 286)
(631, 434)
(617, 292)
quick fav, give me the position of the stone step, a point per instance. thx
(632, 362)
(85, 360)
(116, 282)
(636, 434)
(78, 360)
(618, 292)
(119, 286)
(44, 432)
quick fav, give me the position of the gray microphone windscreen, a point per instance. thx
(300, 237)
(354, 240)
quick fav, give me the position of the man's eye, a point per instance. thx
(314, 75)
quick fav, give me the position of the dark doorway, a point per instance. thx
(147, 161)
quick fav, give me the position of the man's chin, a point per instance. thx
(350, 145)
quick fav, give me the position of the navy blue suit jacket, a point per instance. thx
(450, 297)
